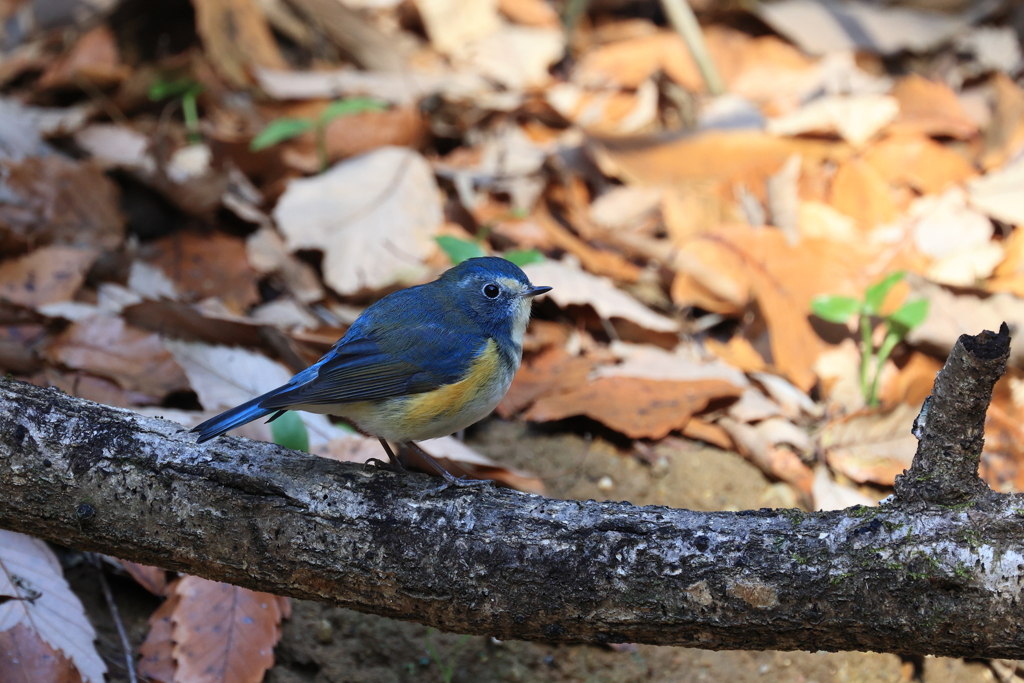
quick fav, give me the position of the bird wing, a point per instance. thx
(361, 370)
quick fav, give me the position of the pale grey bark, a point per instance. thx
(938, 570)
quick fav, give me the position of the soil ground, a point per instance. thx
(323, 644)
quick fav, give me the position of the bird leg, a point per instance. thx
(449, 479)
(394, 464)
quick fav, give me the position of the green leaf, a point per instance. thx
(908, 317)
(349, 106)
(835, 309)
(458, 250)
(875, 295)
(524, 257)
(290, 431)
(162, 88)
(279, 130)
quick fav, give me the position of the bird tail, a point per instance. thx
(238, 416)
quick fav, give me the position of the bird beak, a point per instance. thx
(534, 291)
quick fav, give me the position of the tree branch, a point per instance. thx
(910, 577)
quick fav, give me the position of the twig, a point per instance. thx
(680, 15)
(129, 660)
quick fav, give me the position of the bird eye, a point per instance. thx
(491, 290)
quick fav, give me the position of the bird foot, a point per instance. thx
(460, 482)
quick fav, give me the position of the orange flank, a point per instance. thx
(452, 399)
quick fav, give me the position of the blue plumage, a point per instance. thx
(422, 362)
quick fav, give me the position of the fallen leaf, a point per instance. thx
(94, 59)
(113, 145)
(828, 494)
(26, 658)
(855, 118)
(638, 408)
(363, 132)
(530, 12)
(19, 346)
(1004, 136)
(872, 446)
(45, 276)
(742, 156)
(998, 194)
(737, 352)
(403, 88)
(859, 191)
(952, 313)
(943, 225)
(108, 347)
(572, 286)
(452, 24)
(517, 57)
(43, 604)
(708, 432)
(930, 108)
(686, 363)
(775, 461)
(552, 371)
(225, 377)
(236, 38)
(373, 216)
(223, 633)
(918, 162)
(157, 655)
(596, 261)
(820, 28)
(201, 266)
(913, 382)
(52, 199)
(96, 389)
(152, 579)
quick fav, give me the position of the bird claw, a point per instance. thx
(460, 482)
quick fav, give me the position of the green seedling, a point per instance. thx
(460, 250)
(188, 91)
(447, 666)
(839, 309)
(287, 127)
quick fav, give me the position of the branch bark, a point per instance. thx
(937, 570)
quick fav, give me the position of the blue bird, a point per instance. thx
(421, 363)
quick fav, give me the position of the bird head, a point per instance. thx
(495, 292)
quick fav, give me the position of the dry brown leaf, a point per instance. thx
(57, 200)
(552, 371)
(952, 313)
(94, 59)
(237, 39)
(157, 656)
(452, 24)
(919, 162)
(373, 216)
(45, 276)
(530, 12)
(638, 408)
(998, 194)
(737, 352)
(97, 389)
(572, 286)
(783, 278)
(1004, 136)
(152, 579)
(44, 605)
(930, 108)
(223, 633)
(606, 112)
(202, 266)
(18, 347)
(26, 658)
(596, 261)
(855, 118)
(828, 494)
(860, 191)
(702, 430)
(872, 446)
(108, 347)
(913, 382)
(776, 461)
(747, 157)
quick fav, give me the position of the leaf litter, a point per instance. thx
(150, 257)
